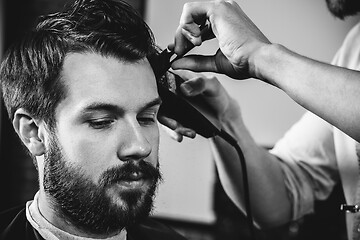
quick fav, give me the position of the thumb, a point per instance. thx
(217, 64)
(196, 63)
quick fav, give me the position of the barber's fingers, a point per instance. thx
(172, 134)
(199, 85)
(193, 18)
(196, 63)
(206, 86)
(219, 15)
(185, 39)
(195, 12)
(174, 129)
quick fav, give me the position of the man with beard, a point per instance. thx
(83, 99)
(320, 150)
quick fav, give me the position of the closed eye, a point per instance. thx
(147, 120)
(100, 123)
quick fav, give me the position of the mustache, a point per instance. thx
(131, 170)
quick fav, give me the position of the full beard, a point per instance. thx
(88, 206)
(343, 8)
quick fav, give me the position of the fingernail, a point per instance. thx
(196, 41)
(187, 88)
(190, 134)
(179, 138)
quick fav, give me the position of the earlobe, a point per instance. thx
(28, 130)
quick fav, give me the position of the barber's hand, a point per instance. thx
(238, 38)
(198, 84)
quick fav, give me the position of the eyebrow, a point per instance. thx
(154, 102)
(99, 106)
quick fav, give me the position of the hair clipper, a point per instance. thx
(194, 112)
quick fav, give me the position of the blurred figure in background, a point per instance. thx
(320, 150)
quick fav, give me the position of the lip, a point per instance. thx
(135, 176)
(132, 183)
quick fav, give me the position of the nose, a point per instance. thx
(135, 144)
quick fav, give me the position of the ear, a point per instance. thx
(28, 130)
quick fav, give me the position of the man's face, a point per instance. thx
(101, 167)
(343, 8)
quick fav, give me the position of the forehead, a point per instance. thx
(90, 77)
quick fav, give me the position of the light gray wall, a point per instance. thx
(304, 26)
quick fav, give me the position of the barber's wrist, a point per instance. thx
(265, 61)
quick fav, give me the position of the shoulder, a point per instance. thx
(14, 225)
(354, 34)
(151, 229)
(8, 216)
(348, 54)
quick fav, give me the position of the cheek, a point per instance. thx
(97, 153)
(153, 139)
(91, 154)
(156, 147)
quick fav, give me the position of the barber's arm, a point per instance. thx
(265, 176)
(333, 93)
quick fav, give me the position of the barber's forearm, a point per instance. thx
(333, 93)
(270, 204)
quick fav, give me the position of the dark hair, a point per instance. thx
(31, 70)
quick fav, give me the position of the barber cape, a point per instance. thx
(15, 226)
